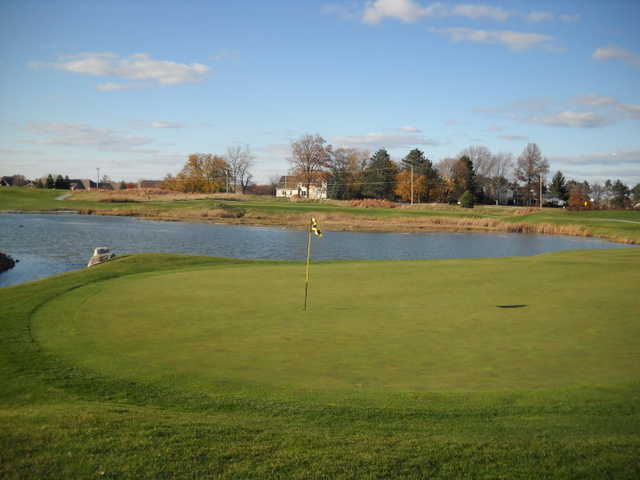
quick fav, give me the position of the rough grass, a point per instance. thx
(619, 226)
(63, 418)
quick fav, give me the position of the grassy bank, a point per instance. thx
(620, 226)
(167, 366)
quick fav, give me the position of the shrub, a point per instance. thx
(466, 200)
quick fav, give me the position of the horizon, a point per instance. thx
(135, 88)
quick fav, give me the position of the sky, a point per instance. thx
(135, 87)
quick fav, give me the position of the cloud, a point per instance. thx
(511, 137)
(113, 87)
(350, 11)
(162, 124)
(409, 128)
(496, 128)
(372, 141)
(537, 17)
(514, 41)
(406, 11)
(481, 11)
(571, 119)
(616, 53)
(627, 110)
(618, 157)
(139, 67)
(83, 135)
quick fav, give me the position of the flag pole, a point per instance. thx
(306, 280)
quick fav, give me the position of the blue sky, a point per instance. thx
(134, 87)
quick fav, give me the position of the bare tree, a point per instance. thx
(310, 159)
(483, 160)
(445, 167)
(530, 169)
(240, 161)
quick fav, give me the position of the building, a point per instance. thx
(81, 184)
(290, 187)
(150, 184)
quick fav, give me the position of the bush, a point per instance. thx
(466, 200)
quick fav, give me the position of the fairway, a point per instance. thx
(551, 321)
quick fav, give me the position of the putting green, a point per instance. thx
(415, 326)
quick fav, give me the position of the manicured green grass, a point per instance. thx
(167, 366)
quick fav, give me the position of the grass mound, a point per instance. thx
(167, 366)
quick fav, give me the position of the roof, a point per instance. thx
(291, 182)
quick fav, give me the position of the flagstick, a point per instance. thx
(306, 282)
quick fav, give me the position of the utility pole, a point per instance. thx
(540, 192)
(411, 184)
(98, 183)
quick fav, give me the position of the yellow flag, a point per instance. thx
(314, 228)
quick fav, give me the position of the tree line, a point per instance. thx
(476, 175)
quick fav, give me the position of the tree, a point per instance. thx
(620, 194)
(530, 169)
(558, 186)
(636, 193)
(463, 177)
(426, 179)
(310, 158)
(203, 172)
(345, 172)
(240, 161)
(482, 159)
(466, 200)
(379, 176)
(123, 186)
(50, 182)
(578, 195)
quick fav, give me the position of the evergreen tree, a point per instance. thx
(50, 181)
(558, 186)
(59, 182)
(123, 186)
(67, 182)
(462, 177)
(636, 193)
(425, 177)
(620, 194)
(466, 200)
(379, 176)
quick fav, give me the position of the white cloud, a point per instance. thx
(372, 141)
(511, 137)
(409, 128)
(537, 17)
(350, 11)
(571, 119)
(619, 157)
(140, 67)
(83, 135)
(496, 128)
(163, 124)
(406, 11)
(632, 111)
(616, 53)
(481, 11)
(114, 87)
(515, 41)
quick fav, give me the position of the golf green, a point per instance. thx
(550, 321)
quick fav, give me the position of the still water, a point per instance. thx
(50, 244)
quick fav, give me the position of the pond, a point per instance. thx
(50, 244)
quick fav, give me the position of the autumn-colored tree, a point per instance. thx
(345, 173)
(205, 173)
(462, 177)
(579, 196)
(403, 186)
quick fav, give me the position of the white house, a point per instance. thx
(290, 187)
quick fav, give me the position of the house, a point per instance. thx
(81, 184)
(150, 184)
(552, 200)
(289, 187)
(6, 181)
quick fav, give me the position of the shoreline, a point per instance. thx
(335, 222)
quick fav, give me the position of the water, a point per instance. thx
(50, 244)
